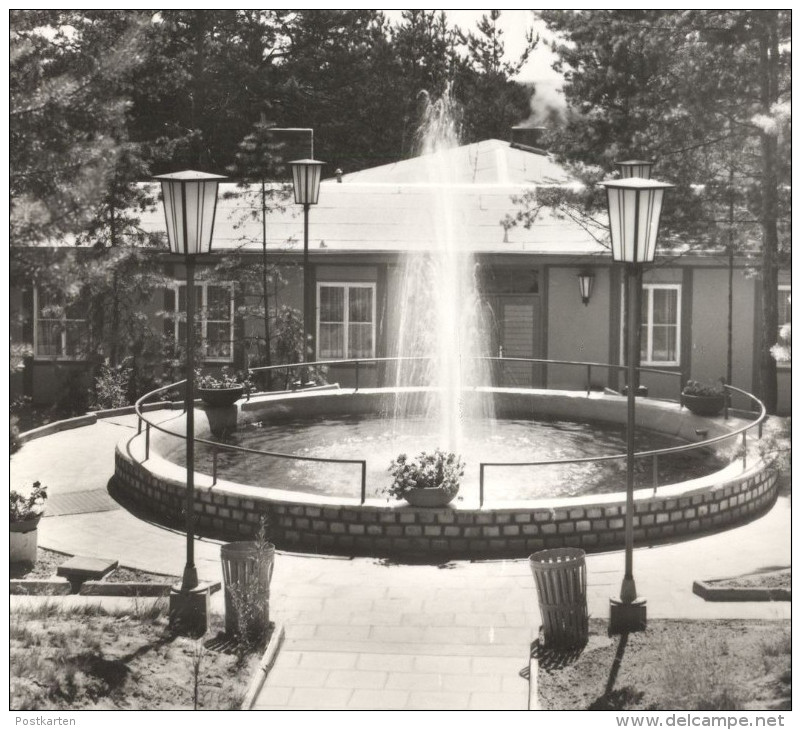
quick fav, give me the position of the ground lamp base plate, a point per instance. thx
(190, 609)
(626, 617)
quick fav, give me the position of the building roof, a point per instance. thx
(401, 207)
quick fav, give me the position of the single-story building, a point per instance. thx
(364, 225)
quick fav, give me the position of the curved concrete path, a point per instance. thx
(365, 633)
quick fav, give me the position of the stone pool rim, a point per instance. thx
(338, 525)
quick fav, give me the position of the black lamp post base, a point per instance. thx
(626, 617)
(190, 609)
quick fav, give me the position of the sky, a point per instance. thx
(514, 24)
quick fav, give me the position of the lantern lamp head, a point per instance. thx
(585, 280)
(190, 206)
(306, 180)
(635, 205)
(635, 168)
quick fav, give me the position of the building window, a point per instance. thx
(59, 331)
(345, 321)
(214, 315)
(661, 324)
(660, 336)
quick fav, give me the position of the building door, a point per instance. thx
(515, 333)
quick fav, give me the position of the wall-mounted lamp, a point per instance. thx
(585, 280)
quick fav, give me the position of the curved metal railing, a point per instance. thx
(654, 453)
(216, 446)
(359, 363)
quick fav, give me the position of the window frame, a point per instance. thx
(347, 286)
(175, 286)
(647, 293)
(64, 319)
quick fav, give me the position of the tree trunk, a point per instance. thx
(265, 293)
(769, 81)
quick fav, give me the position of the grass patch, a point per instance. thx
(90, 658)
(676, 665)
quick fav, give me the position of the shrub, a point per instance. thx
(111, 387)
(426, 471)
(13, 431)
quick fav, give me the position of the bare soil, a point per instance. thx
(767, 579)
(47, 562)
(88, 659)
(674, 665)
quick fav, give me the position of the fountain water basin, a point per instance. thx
(463, 529)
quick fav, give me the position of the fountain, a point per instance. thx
(316, 461)
(441, 337)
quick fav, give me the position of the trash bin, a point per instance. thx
(247, 572)
(561, 578)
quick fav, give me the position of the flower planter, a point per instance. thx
(433, 497)
(704, 405)
(221, 397)
(23, 540)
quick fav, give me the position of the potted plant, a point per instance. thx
(703, 399)
(428, 480)
(25, 511)
(220, 391)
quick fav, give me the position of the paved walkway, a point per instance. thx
(366, 633)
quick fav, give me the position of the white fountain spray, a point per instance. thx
(440, 309)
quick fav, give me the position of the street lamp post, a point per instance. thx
(635, 205)
(635, 168)
(190, 204)
(306, 183)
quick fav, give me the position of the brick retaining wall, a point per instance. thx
(227, 511)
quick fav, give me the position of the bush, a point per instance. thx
(439, 469)
(111, 387)
(13, 431)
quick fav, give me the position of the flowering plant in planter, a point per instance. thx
(694, 387)
(704, 399)
(439, 472)
(24, 508)
(224, 389)
(225, 380)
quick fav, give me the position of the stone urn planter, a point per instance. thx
(428, 480)
(25, 510)
(432, 497)
(23, 539)
(221, 397)
(704, 405)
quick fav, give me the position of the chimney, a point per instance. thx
(528, 139)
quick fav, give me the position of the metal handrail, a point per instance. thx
(231, 447)
(655, 453)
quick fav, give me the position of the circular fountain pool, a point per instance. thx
(379, 440)
(506, 524)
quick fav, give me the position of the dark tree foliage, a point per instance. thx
(493, 101)
(705, 95)
(67, 116)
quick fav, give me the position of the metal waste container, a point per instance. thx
(247, 572)
(561, 578)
